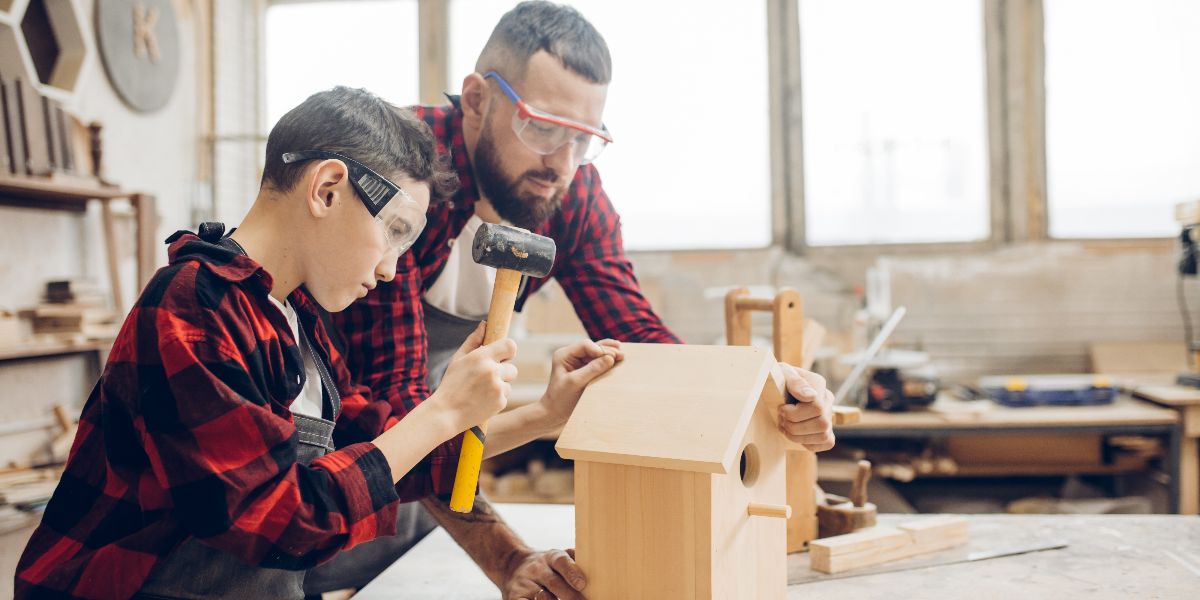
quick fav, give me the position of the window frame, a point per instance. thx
(1014, 52)
(787, 28)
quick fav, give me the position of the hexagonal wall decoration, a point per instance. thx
(53, 35)
(13, 56)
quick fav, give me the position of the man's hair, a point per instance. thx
(558, 30)
(357, 124)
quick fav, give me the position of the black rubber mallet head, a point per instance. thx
(505, 247)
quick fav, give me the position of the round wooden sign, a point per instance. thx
(139, 45)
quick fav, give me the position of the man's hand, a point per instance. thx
(545, 576)
(810, 421)
(572, 369)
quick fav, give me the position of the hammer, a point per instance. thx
(513, 252)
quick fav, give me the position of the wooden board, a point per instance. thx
(659, 548)
(14, 128)
(53, 134)
(878, 545)
(5, 140)
(672, 407)
(1170, 395)
(749, 557)
(37, 147)
(1123, 411)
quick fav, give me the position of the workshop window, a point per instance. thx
(1122, 123)
(895, 146)
(689, 111)
(313, 46)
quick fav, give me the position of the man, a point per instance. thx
(521, 137)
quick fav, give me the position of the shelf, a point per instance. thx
(21, 191)
(42, 350)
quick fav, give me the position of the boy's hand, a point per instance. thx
(572, 369)
(809, 422)
(477, 381)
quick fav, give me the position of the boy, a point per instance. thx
(205, 462)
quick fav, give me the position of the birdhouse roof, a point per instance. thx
(680, 407)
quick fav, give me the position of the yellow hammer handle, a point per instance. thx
(466, 478)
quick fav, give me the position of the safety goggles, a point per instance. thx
(545, 133)
(401, 226)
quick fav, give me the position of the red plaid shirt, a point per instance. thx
(385, 332)
(188, 433)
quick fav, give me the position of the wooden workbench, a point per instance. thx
(1186, 401)
(1113, 556)
(1126, 415)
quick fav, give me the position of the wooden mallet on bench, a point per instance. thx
(838, 515)
(514, 253)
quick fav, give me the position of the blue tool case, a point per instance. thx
(1049, 390)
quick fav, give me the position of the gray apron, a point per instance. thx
(356, 567)
(196, 570)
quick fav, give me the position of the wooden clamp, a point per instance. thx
(795, 341)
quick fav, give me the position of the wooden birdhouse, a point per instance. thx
(680, 475)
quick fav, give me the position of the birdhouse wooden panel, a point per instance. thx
(680, 475)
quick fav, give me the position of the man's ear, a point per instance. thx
(474, 99)
(328, 182)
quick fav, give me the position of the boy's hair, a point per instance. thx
(558, 30)
(360, 125)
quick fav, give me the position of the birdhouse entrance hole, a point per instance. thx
(749, 465)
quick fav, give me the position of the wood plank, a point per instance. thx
(37, 142)
(64, 140)
(5, 139)
(1123, 411)
(749, 553)
(53, 135)
(46, 189)
(1169, 395)
(885, 544)
(15, 131)
(878, 537)
(638, 534)
(931, 530)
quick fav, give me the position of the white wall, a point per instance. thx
(154, 153)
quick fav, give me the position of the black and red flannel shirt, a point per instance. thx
(189, 433)
(385, 332)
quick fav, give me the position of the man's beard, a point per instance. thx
(528, 210)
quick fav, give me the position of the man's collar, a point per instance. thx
(468, 192)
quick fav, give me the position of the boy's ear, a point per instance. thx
(474, 100)
(328, 182)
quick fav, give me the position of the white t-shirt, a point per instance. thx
(464, 287)
(309, 403)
